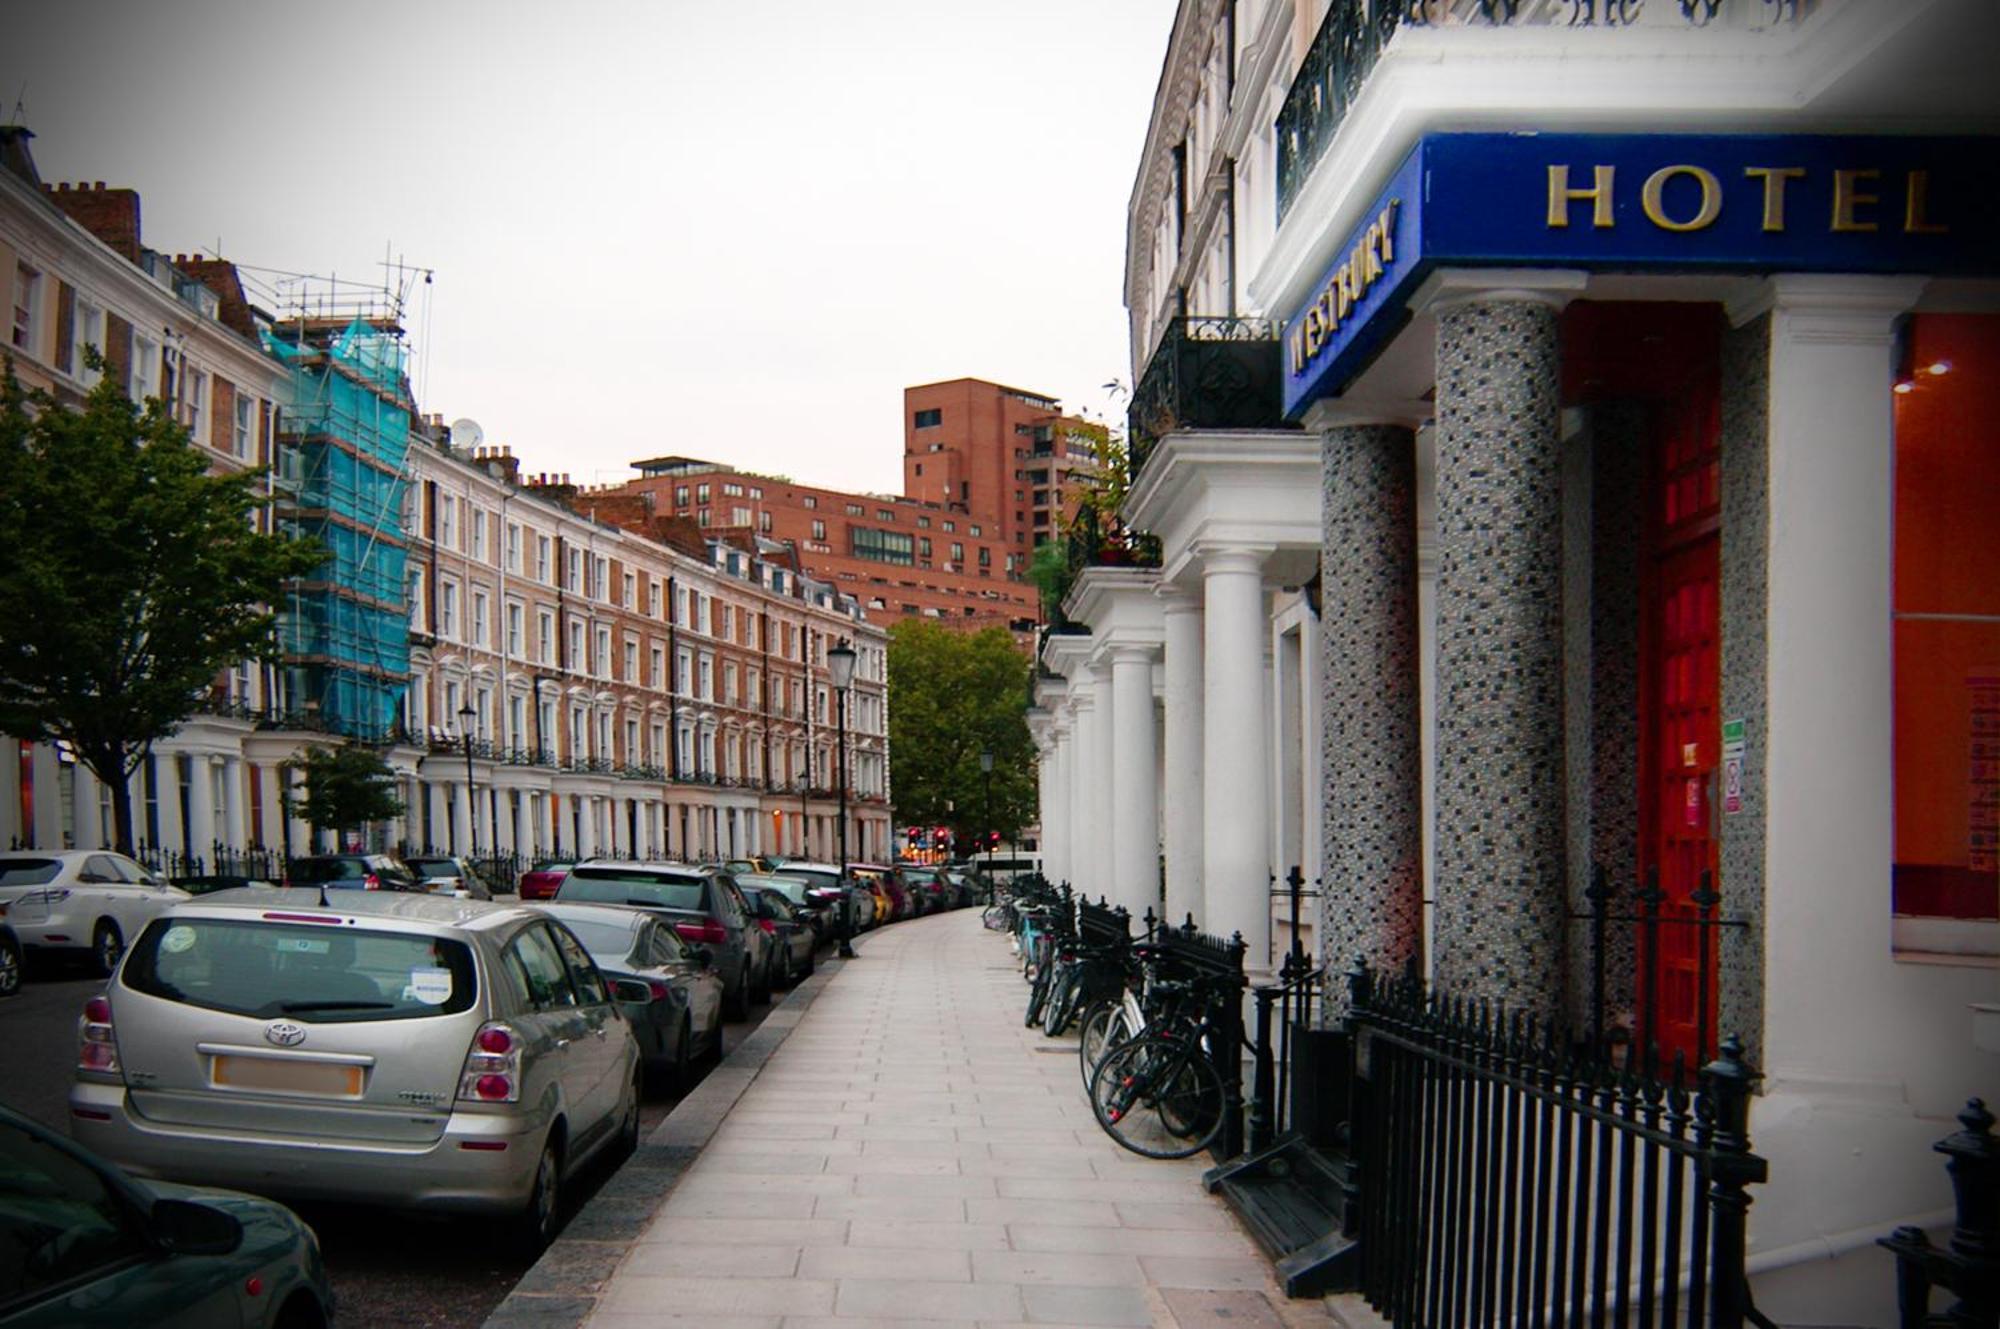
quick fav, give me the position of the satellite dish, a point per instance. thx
(467, 434)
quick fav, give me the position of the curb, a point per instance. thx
(561, 1289)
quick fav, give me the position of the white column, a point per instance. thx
(1828, 766)
(461, 818)
(1135, 807)
(235, 822)
(1058, 814)
(1045, 785)
(86, 827)
(1084, 856)
(1182, 743)
(524, 825)
(1235, 866)
(201, 806)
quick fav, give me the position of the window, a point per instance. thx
(513, 553)
(631, 661)
(537, 966)
(447, 521)
(985, 556)
(724, 618)
(658, 677)
(545, 624)
(732, 490)
(601, 663)
(145, 368)
(683, 671)
(975, 532)
(949, 527)
(701, 493)
(680, 496)
(739, 516)
(514, 617)
(194, 404)
(86, 328)
(573, 573)
(818, 529)
(854, 509)
(241, 432)
(631, 600)
(729, 684)
(27, 295)
(576, 661)
(929, 419)
(764, 522)
(479, 618)
(756, 491)
(706, 691)
(810, 501)
(923, 523)
(417, 623)
(475, 521)
(884, 514)
(517, 720)
(448, 609)
(701, 518)
(600, 578)
(883, 546)
(957, 553)
(542, 551)
(652, 597)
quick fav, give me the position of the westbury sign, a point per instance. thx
(1644, 203)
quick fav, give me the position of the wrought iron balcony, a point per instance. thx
(1355, 33)
(1208, 373)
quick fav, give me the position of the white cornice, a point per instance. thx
(1255, 488)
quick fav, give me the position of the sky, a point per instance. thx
(734, 229)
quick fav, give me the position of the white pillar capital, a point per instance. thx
(1449, 287)
(1130, 653)
(1221, 558)
(1828, 309)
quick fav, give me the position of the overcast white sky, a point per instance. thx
(734, 229)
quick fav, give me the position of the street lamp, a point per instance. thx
(466, 715)
(840, 665)
(986, 770)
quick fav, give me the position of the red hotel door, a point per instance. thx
(1680, 731)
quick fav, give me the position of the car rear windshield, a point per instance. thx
(28, 871)
(816, 880)
(315, 972)
(433, 867)
(623, 886)
(327, 869)
(608, 940)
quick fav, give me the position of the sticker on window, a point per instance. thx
(432, 987)
(303, 946)
(177, 940)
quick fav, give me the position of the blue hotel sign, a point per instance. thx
(1644, 203)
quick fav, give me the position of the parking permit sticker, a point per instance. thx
(178, 939)
(430, 986)
(303, 946)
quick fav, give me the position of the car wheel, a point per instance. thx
(535, 1227)
(10, 966)
(736, 1001)
(684, 1060)
(107, 945)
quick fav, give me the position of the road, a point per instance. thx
(388, 1268)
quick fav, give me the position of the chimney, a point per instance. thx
(112, 215)
(15, 155)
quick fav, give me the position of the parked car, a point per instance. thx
(679, 1025)
(445, 875)
(874, 878)
(81, 900)
(820, 910)
(541, 881)
(702, 904)
(926, 890)
(353, 872)
(385, 1048)
(825, 888)
(756, 863)
(91, 1248)
(793, 940)
(10, 957)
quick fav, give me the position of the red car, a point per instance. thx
(544, 879)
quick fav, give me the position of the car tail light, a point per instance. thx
(768, 925)
(707, 931)
(659, 990)
(97, 1045)
(493, 1066)
(53, 896)
(371, 882)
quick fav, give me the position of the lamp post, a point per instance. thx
(986, 770)
(840, 665)
(466, 716)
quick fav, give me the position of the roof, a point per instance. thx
(349, 906)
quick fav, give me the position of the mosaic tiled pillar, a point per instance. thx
(1372, 861)
(1499, 816)
(1182, 749)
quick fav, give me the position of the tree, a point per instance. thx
(346, 787)
(951, 696)
(133, 577)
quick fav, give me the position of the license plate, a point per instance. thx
(281, 1075)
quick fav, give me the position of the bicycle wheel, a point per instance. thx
(997, 918)
(1157, 1096)
(1062, 1002)
(1038, 995)
(1104, 1026)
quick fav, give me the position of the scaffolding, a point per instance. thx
(343, 480)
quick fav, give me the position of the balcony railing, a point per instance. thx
(1208, 373)
(1355, 33)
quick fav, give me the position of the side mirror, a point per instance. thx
(186, 1228)
(630, 992)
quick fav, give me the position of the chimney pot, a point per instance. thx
(98, 185)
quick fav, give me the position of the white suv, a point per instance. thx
(76, 899)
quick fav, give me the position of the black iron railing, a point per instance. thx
(1208, 373)
(1655, 911)
(1968, 1264)
(1355, 32)
(1502, 1177)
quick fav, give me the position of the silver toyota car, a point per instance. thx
(391, 1049)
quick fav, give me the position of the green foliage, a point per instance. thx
(952, 695)
(132, 577)
(345, 787)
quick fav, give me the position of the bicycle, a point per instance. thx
(1159, 1094)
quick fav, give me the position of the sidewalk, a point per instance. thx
(910, 1155)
